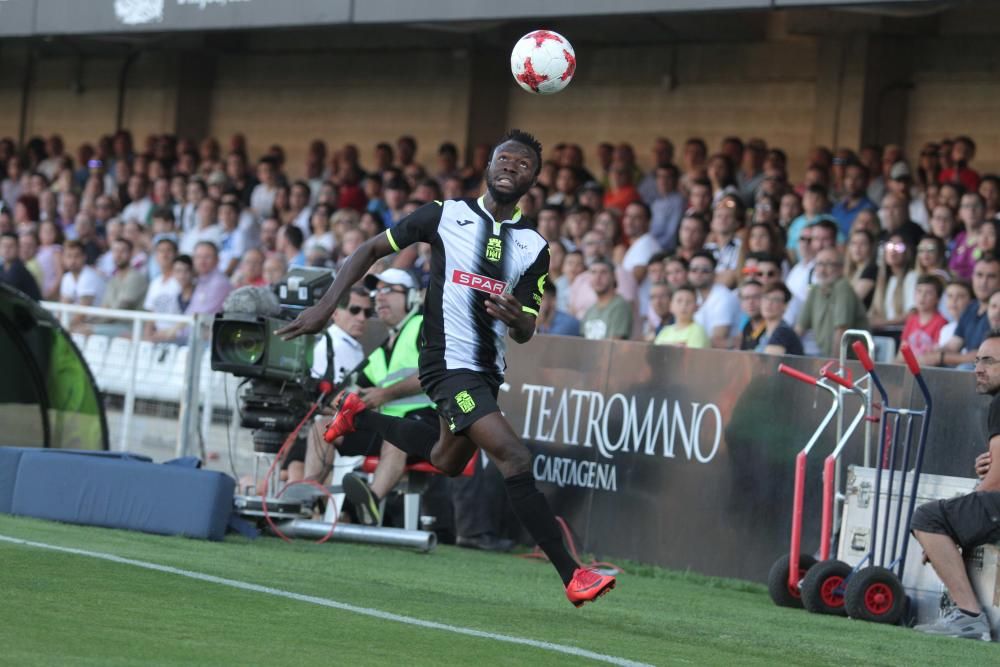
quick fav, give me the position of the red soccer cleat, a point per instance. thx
(588, 585)
(348, 405)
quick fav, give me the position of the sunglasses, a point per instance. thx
(896, 247)
(354, 310)
(389, 290)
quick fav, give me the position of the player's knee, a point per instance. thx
(513, 459)
(446, 464)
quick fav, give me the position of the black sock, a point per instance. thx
(969, 613)
(536, 516)
(414, 437)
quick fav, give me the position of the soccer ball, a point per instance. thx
(543, 62)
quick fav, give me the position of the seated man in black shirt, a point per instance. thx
(777, 337)
(13, 272)
(942, 526)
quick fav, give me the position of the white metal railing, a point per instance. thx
(177, 381)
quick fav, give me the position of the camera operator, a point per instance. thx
(346, 331)
(389, 383)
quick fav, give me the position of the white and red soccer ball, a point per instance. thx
(543, 62)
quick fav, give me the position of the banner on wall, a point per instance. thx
(684, 458)
(53, 17)
(97, 16)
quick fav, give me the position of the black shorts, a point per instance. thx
(297, 452)
(463, 397)
(969, 520)
(369, 443)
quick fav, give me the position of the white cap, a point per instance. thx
(391, 277)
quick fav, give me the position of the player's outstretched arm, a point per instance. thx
(315, 318)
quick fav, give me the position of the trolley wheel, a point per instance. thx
(875, 594)
(823, 587)
(777, 581)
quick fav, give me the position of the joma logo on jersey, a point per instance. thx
(478, 282)
(494, 248)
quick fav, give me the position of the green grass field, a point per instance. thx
(69, 609)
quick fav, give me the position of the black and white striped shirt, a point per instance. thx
(472, 256)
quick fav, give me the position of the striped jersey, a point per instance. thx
(472, 256)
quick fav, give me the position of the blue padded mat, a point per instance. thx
(115, 490)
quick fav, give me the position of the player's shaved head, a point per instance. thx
(525, 139)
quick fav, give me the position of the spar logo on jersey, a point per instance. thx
(478, 282)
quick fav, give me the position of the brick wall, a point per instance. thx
(956, 90)
(362, 98)
(77, 102)
(80, 101)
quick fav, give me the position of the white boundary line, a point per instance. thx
(333, 604)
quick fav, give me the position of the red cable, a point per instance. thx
(280, 457)
(568, 538)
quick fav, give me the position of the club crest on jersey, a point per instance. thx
(478, 282)
(494, 248)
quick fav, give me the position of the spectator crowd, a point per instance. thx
(718, 249)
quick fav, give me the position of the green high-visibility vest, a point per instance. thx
(402, 363)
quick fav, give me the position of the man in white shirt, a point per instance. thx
(81, 284)
(51, 165)
(164, 286)
(207, 228)
(232, 240)
(105, 264)
(186, 213)
(635, 222)
(350, 320)
(262, 197)
(348, 326)
(718, 307)
(141, 206)
(298, 200)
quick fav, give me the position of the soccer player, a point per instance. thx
(488, 270)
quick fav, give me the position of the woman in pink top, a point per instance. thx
(966, 252)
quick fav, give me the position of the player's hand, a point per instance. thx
(373, 397)
(312, 320)
(505, 307)
(983, 462)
